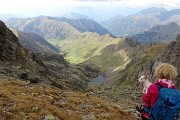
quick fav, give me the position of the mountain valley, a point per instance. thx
(48, 64)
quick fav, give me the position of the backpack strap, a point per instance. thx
(159, 86)
(146, 109)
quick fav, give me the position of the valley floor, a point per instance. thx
(22, 100)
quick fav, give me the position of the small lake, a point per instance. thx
(99, 80)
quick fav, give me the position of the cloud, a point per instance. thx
(154, 3)
(135, 3)
(98, 0)
(56, 7)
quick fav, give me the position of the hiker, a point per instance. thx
(164, 74)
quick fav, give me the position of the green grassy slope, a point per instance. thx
(106, 52)
(112, 57)
(86, 46)
(143, 61)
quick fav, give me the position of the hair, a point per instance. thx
(166, 71)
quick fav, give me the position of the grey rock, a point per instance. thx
(88, 117)
(33, 78)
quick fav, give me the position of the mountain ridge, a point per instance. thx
(34, 42)
(160, 33)
(152, 10)
(56, 28)
(84, 25)
(143, 20)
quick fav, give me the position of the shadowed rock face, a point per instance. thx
(8, 43)
(34, 43)
(15, 59)
(172, 55)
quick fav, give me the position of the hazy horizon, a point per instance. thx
(95, 9)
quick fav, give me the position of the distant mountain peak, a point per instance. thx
(172, 25)
(153, 10)
(75, 16)
(159, 33)
(143, 20)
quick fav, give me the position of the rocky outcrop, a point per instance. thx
(16, 60)
(172, 55)
(67, 75)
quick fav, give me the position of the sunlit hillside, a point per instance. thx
(87, 46)
(21, 100)
(143, 61)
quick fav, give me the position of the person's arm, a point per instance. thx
(147, 97)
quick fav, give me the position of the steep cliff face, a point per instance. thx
(172, 55)
(8, 43)
(16, 61)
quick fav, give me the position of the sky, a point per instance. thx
(92, 8)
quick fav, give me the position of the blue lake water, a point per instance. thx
(99, 80)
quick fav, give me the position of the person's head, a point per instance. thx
(165, 71)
